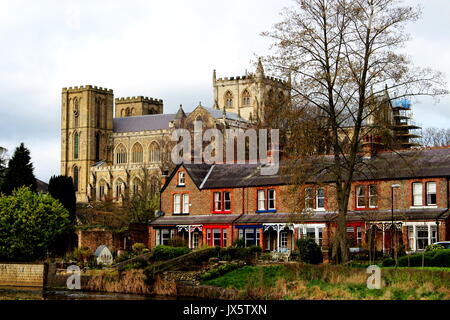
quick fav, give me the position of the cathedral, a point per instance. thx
(113, 146)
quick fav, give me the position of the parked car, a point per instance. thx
(445, 244)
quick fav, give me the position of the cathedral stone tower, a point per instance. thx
(86, 124)
(249, 95)
(137, 106)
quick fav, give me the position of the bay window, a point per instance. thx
(216, 236)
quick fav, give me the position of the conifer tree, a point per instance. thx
(19, 172)
(62, 189)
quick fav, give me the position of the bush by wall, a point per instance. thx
(435, 258)
(309, 251)
(161, 253)
(239, 253)
(221, 270)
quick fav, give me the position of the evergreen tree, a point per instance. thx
(2, 165)
(19, 172)
(62, 189)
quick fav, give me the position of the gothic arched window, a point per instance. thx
(75, 178)
(76, 112)
(228, 99)
(97, 146)
(154, 152)
(127, 112)
(246, 98)
(136, 186)
(75, 145)
(98, 112)
(121, 154)
(137, 153)
(154, 185)
(120, 188)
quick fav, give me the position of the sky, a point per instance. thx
(161, 49)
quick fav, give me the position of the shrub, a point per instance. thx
(125, 256)
(441, 258)
(138, 247)
(178, 242)
(221, 270)
(239, 243)
(238, 253)
(388, 262)
(161, 253)
(82, 254)
(433, 247)
(415, 260)
(309, 251)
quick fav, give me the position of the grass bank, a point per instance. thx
(297, 281)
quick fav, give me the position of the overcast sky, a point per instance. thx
(162, 49)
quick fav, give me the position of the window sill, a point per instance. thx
(320, 210)
(266, 211)
(221, 212)
(181, 185)
(180, 214)
(424, 207)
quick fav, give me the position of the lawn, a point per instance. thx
(297, 281)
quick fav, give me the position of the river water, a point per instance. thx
(24, 293)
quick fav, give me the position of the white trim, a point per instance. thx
(424, 207)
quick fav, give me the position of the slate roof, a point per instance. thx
(41, 186)
(142, 123)
(284, 218)
(195, 219)
(399, 215)
(218, 114)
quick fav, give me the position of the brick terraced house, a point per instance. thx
(214, 205)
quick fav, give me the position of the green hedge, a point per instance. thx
(162, 253)
(238, 253)
(435, 258)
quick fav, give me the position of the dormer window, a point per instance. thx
(181, 176)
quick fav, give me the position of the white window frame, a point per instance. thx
(271, 199)
(181, 178)
(185, 207)
(261, 200)
(417, 194)
(318, 198)
(309, 197)
(217, 201)
(177, 203)
(428, 193)
(359, 196)
(371, 196)
(225, 201)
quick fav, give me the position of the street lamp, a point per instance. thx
(394, 186)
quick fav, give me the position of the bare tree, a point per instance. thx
(345, 66)
(435, 137)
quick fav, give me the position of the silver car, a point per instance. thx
(445, 244)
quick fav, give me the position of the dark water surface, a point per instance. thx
(28, 293)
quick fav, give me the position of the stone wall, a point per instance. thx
(29, 275)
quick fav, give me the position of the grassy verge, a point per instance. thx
(295, 281)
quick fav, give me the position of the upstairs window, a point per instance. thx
(373, 196)
(222, 201)
(320, 199)
(261, 200)
(181, 203)
(271, 199)
(361, 196)
(266, 200)
(181, 179)
(431, 194)
(75, 178)
(154, 152)
(367, 196)
(309, 198)
(417, 194)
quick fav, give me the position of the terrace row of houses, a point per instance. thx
(402, 198)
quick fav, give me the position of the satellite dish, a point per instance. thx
(159, 213)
